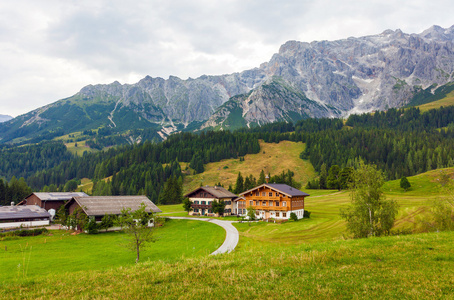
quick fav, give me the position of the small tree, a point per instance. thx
(251, 214)
(404, 183)
(369, 214)
(77, 219)
(107, 221)
(293, 217)
(218, 207)
(136, 226)
(187, 204)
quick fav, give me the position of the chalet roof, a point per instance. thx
(58, 196)
(279, 187)
(216, 191)
(102, 205)
(22, 212)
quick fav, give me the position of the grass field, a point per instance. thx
(325, 223)
(61, 252)
(447, 101)
(273, 158)
(401, 267)
(310, 258)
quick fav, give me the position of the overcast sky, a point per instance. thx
(50, 49)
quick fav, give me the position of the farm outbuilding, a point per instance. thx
(99, 206)
(23, 216)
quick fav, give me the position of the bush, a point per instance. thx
(293, 217)
(306, 214)
(33, 232)
(91, 227)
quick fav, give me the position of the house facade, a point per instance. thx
(272, 200)
(203, 197)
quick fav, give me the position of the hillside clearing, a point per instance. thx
(447, 101)
(273, 158)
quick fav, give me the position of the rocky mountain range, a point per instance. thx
(302, 80)
(4, 118)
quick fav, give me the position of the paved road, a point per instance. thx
(231, 238)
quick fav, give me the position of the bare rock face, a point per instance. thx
(317, 79)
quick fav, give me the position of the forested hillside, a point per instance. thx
(401, 142)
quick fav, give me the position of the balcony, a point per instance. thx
(267, 207)
(201, 206)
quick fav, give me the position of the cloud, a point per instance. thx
(53, 48)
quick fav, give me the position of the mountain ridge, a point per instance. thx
(316, 79)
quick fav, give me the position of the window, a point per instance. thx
(277, 214)
(228, 203)
(284, 215)
(251, 203)
(209, 211)
(270, 194)
(196, 202)
(263, 194)
(257, 213)
(271, 203)
(264, 203)
(284, 203)
(204, 203)
(257, 194)
(196, 210)
(277, 203)
(277, 194)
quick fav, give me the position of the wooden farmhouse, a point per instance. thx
(272, 200)
(202, 198)
(23, 216)
(98, 206)
(51, 200)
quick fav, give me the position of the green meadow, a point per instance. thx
(60, 252)
(310, 258)
(400, 267)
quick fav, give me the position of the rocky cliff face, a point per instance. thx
(317, 79)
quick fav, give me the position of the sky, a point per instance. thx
(50, 49)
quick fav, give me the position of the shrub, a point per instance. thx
(306, 214)
(91, 226)
(293, 217)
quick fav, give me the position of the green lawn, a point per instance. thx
(61, 252)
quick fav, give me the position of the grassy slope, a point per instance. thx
(415, 267)
(62, 252)
(448, 101)
(325, 223)
(273, 158)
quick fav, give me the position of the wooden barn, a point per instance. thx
(51, 200)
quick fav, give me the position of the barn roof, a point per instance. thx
(102, 205)
(216, 191)
(58, 196)
(22, 212)
(279, 187)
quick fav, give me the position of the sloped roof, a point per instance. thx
(217, 191)
(281, 188)
(58, 196)
(102, 205)
(22, 212)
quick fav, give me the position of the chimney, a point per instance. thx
(267, 178)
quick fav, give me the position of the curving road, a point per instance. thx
(231, 238)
